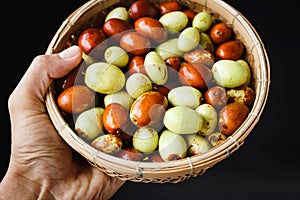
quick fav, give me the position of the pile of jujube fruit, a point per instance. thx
(157, 82)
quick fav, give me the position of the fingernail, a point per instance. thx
(68, 53)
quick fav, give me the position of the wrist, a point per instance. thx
(16, 186)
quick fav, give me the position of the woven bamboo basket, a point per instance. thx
(179, 170)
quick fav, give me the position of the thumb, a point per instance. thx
(40, 74)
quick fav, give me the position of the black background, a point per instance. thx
(265, 167)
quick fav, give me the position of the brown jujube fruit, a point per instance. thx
(173, 62)
(152, 28)
(116, 27)
(108, 143)
(115, 118)
(242, 94)
(130, 154)
(231, 116)
(216, 96)
(169, 6)
(230, 50)
(142, 8)
(148, 109)
(90, 38)
(195, 75)
(220, 33)
(201, 56)
(135, 43)
(76, 99)
(136, 65)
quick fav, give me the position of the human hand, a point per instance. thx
(42, 165)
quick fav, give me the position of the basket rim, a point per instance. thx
(206, 160)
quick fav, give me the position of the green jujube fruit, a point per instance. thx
(206, 42)
(229, 73)
(118, 12)
(168, 49)
(182, 120)
(104, 78)
(188, 39)
(89, 124)
(185, 96)
(156, 68)
(202, 21)
(121, 97)
(174, 21)
(210, 118)
(246, 65)
(137, 84)
(117, 56)
(107, 143)
(197, 144)
(171, 146)
(145, 139)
